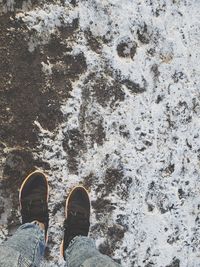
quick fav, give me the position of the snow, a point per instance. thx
(161, 150)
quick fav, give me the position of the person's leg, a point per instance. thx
(82, 252)
(25, 248)
(77, 249)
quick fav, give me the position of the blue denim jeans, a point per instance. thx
(26, 249)
(83, 253)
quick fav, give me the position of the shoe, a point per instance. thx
(33, 199)
(77, 216)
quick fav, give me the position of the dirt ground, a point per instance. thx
(28, 95)
(105, 94)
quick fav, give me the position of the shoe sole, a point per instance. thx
(66, 204)
(24, 182)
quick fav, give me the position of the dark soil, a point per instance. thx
(28, 95)
(127, 48)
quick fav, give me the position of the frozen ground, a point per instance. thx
(105, 93)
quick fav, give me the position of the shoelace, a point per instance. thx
(77, 223)
(34, 210)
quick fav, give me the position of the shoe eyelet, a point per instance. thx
(74, 213)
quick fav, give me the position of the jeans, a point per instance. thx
(26, 249)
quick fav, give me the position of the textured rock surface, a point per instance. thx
(106, 94)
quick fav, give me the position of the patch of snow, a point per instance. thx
(161, 152)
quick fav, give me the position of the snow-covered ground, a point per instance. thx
(131, 125)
